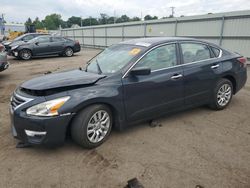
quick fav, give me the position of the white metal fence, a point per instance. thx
(230, 30)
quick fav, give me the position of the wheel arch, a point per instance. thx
(68, 47)
(116, 115)
(232, 79)
(26, 49)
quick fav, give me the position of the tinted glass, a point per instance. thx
(194, 52)
(28, 37)
(216, 51)
(57, 39)
(113, 58)
(159, 58)
(43, 39)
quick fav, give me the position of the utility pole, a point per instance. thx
(114, 16)
(81, 21)
(2, 24)
(172, 11)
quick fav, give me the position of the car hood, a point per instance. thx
(15, 43)
(62, 79)
(7, 42)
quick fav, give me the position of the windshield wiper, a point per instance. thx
(98, 66)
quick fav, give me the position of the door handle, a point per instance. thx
(215, 66)
(176, 76)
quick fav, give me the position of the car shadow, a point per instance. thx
(14, 60)
(3, 76)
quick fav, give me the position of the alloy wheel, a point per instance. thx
(98, 126)
(224, 94)
(69, 52)
(26, 54)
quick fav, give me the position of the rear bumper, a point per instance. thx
(77, 48)
(241, 79)
(4, 66)
(49, 131)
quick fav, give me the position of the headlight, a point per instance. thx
(49, 108)
(14, 47)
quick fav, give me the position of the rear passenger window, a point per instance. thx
(43, 39)
(57, 39)
(216, 51)
(194, 52)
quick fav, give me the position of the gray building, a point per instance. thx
(13, 27)
(231, 30)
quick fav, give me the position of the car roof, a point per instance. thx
(152, 41)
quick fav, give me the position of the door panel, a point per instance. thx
(159, 92)
(199, 81)
(42, 46)
(153, 94)
(201, 72)
(57, 45)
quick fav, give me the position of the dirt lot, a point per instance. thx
(196, 147)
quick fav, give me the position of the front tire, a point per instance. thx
(91, 127)
(25, 54)
(68, 52)
(222, 95)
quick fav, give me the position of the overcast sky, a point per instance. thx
(20, 10)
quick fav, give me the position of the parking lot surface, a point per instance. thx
(194, 147)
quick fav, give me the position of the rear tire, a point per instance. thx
(68, 52)
(25, 54)
(222, 94)
(91, 127)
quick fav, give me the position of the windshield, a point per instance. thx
(113, 58)
(34, 39)
(18, 38)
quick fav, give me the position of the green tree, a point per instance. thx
(125, 18)
(103, 19)
(38, 24)
(90, 21)
(148, 17)
(112, 20)
(74, 20)
(28, 22)
(53, 21)
(135, 19)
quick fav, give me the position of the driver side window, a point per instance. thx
(27, 38)
(159, 58)
(43, 39)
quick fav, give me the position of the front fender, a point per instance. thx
(109, 95)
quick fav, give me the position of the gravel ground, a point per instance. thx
(195, 147)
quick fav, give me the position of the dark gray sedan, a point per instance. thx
(45, 46)
(127, 83)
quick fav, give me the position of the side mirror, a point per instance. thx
(36, 43)
(140, 71)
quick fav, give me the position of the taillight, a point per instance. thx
(243, 61)
(77, 42)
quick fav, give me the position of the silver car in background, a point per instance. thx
(3, 59)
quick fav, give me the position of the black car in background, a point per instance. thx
(127, 83)
(44, 46)
(21, 39)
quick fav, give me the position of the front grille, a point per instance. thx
(16, 101)
(7, 48)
